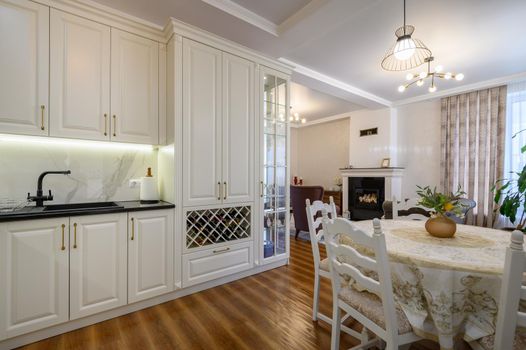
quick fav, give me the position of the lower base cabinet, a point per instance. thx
(97, 263)
(209, 264)
(34, 275)
(150, 254)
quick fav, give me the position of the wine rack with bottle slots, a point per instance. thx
(218, 225)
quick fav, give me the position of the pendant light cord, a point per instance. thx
(404, 18)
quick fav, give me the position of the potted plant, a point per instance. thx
(511, 194)
(439, 225)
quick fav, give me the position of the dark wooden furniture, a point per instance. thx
(338, 199)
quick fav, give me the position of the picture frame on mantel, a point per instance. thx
(386, 163)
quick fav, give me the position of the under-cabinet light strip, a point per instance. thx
(51, 141)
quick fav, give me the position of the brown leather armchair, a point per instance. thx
(298, 195)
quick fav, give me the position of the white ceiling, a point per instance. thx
(313, 104)
(343, 41)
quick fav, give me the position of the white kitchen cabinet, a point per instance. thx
(238, 129)
(34, 275)
(97, 263)
(24, 67)
(80, 77)
(201, 124)
(134, 88)
(218, 123)
(206, 265)
(150, 254)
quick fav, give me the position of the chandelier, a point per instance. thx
(295, 117)
(418, 79)
(407, 52)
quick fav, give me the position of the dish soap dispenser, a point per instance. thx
(149, 192)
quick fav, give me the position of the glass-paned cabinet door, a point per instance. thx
(274, 164)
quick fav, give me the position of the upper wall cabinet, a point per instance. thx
(134, 88)
(24, 67)
(80, 77)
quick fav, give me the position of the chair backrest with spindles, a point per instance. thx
(512, 292)
(346, 260)
(314, 219)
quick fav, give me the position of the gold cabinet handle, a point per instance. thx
(105, 124)
(221, 250)
(261, 189)
(224, 194)
(75, 235)
(42, 112)
(114, 125)
(63, 244)
(133, 229)
(218, 191)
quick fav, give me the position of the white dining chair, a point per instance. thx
(321, 267)
(405, 206)
(379, 315)
(511, 294)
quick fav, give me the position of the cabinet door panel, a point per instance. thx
(134, 88)
(80, 77)
(24, 67)
(238, 129)
(98, 263)
(201, 124)
(150, 254)
(34, 275)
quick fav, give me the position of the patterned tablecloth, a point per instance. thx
(448, 288)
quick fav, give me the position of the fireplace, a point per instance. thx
(366, 196)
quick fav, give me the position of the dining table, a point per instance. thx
(447, 287)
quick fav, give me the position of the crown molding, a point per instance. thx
(335, 82)
(244, 14)
(174, 26)
(463, 89)
(322, 120)
(300, 15)
(108, 16)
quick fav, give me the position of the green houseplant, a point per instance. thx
(439, 225)
(510, 196)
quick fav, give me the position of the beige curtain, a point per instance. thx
(473, 137)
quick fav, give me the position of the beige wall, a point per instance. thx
(319, 151)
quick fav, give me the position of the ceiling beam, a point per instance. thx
(335, 87)
(244, 14)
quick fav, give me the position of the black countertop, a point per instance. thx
(30, 213)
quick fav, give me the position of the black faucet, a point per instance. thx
(40, 198)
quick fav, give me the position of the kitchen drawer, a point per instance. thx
(206, 265)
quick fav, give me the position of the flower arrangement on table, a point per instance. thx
(439, 204)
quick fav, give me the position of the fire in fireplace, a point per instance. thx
(366, 196)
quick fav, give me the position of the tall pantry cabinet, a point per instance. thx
(219, 135)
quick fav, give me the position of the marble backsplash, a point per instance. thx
(97, 173)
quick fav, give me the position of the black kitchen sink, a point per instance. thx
(82, 206)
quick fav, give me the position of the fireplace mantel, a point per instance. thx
(393, 181)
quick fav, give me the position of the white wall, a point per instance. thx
(368, 151)
(319, 151)
(418, 145)
(409, 135)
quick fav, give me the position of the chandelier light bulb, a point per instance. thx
(404, 49)
(303, 120)
(420, 82)
(409, 76)
(291, 118)
(432, 88)
(401, 88)
(448, 75)
(459, 77)
(422, 75)
(439, 69)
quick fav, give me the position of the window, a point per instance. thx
(514, 160)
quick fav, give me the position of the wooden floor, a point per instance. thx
(271, 310)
